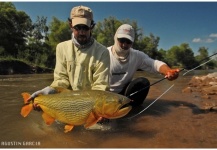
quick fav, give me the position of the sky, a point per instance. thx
(174, 22)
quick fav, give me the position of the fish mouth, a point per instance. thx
(114, 110)
(126, 105)
(123, 110)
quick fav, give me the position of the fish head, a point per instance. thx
(112, 106)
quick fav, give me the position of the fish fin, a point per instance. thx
(26, 96)
(61, 89)
(68, 128)
(47, 119)
(26, 110)
(91, 120)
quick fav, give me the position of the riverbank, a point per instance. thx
(204, 87)
(9, 67)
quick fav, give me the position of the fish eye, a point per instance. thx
(120, 100)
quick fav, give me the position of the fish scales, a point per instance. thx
(78, 107)
(73, 108)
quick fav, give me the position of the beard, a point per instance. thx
(82, 39)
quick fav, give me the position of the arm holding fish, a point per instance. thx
(45, 91)
(101, 73)
(61, 77)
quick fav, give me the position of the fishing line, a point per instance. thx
(179, 71)
(197, 66)
(169, 87)
(208, 57)
(150, 85)
(152, 102)
(145, 87)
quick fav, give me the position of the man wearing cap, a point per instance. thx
(81, 62)
(125, 61)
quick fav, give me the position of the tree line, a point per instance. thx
(35, 42)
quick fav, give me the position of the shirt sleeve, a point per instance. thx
(148, 64)
(101, 73)
(60, 72)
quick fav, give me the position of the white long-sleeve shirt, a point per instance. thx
(122, 73)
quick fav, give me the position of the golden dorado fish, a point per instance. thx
(78, 107)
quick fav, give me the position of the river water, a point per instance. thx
(174, 121)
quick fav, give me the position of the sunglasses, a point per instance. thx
(81, 27)
(124, 40)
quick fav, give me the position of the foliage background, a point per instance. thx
(35, 42)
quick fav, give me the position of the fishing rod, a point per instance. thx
(168, 88)
(208, 57)
(198, 66)
(150, 85)
(166, 77)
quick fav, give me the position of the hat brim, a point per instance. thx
(84, 21)
(125, 36)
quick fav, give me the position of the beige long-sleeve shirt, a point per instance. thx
(81, 69)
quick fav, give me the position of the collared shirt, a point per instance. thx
(81, 69)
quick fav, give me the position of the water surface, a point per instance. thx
(174, 121)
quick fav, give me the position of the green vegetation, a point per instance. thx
(35, 42)
(14, 66)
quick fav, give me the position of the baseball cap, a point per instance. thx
(126, 31)
(81, 15)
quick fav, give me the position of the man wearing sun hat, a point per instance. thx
(125, 61)
(81, 62)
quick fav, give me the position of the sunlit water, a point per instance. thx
(151, 129)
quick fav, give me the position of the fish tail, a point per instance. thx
(26, 96)
(27, 108)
